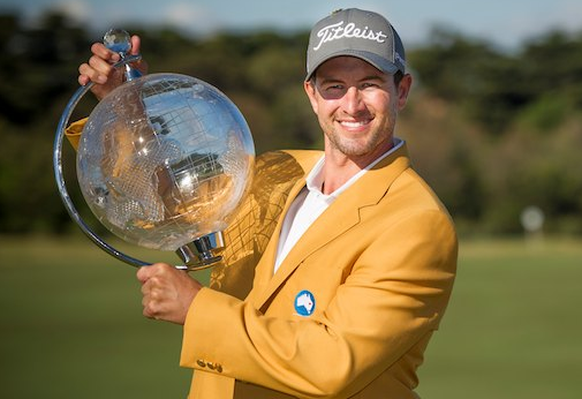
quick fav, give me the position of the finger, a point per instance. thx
(87, 74)
(143, 274)
(147, 310)
(148, 300)
(135, 44)
(101, 51)
(141, 64)
(83, 80)
(145, 290)
(162, 268)
(100, 65)
(153, 301)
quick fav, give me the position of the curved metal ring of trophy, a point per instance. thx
(197, 254)
(59, 177)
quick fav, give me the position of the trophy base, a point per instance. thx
(203, 252)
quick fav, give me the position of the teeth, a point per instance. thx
(354, 124)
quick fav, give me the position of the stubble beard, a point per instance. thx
(359, 147)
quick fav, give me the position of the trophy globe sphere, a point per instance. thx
(165, 159)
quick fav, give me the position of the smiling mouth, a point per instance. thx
(355, 124)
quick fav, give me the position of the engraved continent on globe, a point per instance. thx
(165, 159)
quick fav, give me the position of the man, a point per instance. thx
(356, 274)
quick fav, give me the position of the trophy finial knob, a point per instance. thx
(117, 40)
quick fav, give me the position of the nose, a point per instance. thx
(353, 102)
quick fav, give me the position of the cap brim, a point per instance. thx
(376, 61)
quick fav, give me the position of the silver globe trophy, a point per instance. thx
(163, 162)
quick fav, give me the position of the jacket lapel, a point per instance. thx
(342, 215)
(264, 269)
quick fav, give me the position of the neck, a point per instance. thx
(334, 177)
(339, 167)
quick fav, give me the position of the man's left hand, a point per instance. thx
(167, 292)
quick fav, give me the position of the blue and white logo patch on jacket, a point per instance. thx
(305, 303)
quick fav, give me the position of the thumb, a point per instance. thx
(135, 45)
(141, 65)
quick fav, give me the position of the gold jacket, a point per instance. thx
(379, 265)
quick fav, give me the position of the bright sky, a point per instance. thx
(504, 22)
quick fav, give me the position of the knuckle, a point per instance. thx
(95, 61)
(153, 310)
(155, 296)
(162, 267)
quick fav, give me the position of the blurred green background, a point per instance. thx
(493, 131)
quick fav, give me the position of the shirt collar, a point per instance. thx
(314, 179)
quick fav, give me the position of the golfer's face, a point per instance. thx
(356, 105)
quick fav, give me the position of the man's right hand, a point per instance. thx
(99, 69)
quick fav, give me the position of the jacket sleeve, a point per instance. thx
(73, 132)
(392, 300)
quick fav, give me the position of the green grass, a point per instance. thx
(514, 325)
(71, 325)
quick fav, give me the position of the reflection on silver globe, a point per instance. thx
(164, 160)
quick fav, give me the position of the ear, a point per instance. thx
(311, 91)
(404, 90)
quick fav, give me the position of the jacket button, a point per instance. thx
(201, 363)
(210, 365)
(218, 368)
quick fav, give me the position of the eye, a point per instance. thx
(368, 85)
(334, 87)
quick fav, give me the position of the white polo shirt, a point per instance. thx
(311, 202)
